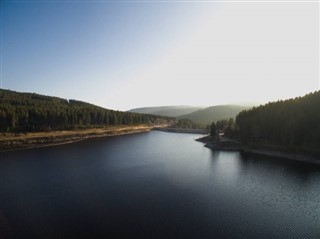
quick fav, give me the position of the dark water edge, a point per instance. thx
(155, 185)
(274, 151)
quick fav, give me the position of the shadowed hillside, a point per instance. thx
(214, 113)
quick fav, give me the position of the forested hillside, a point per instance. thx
(186, 124)
(29, 112)
(290, 123)
(214, 113)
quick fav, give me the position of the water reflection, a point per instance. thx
(156, 185)
(270, 184)
(226, 166)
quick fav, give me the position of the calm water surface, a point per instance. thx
(155, 185)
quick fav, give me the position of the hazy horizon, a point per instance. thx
(132, 54)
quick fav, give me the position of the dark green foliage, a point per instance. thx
(213, 129)
(26, 112)
(289, 123)
(221, 125)
(186, 124)
(228, 127)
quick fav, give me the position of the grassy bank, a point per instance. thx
(9, 141)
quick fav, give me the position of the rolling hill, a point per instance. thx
(214, 113)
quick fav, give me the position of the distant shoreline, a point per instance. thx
(272, 151)
(10, 142)
(180, 130)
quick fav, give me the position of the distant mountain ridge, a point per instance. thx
(172, 111)
(200, 115)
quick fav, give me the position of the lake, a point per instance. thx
(155, 185)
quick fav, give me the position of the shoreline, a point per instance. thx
(271, 151)
(180, 130)
(56, 138)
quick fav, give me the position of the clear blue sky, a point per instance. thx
(123, 55)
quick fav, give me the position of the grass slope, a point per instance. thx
(214, 113)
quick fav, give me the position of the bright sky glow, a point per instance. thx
(124, 55)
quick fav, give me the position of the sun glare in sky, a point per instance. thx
(124, 55)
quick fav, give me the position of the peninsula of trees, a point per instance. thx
(291, 127)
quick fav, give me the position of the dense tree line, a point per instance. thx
(228, 127)
(186, 124)
(29, 112)
(289, 123)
